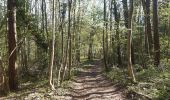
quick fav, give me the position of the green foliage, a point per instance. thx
(165, 46)
(147, 74)
(115, 74)
(74, 72)
(40, 41)
(152, 82)
(164, 94)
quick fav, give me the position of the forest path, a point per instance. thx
(91, 84)
(88, 84)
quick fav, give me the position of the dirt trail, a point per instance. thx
(90, 84)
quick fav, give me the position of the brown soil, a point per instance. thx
(91, 84)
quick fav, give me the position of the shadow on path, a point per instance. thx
(90, 84)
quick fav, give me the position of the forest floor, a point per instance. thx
(88, 84)
(91, 84)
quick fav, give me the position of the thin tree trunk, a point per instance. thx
(111, 27)
(52, 49)
(69, 35)
(90, 53)
(126, 17)
(46, 22)
(42, 15)
(78, 34)
(129, 46)
(104, 31)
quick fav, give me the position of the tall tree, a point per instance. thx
(148, 33)
(12, 33)
(69, 36)
(42, 14)
(126, 17)
(128, 13)
(111, 26)
(90, 50)
(156, 34)
(104, 40)
(52, 48)
(92, 33)
(78, 33)
(117, 21)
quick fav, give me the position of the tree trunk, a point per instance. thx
(156, 34)
(69, 37)
(126, 17)
(117, 21)
(125, 12)
(90, 53)
(111, 32)
(129, 46)
(42, 15)
(148, 33)
(65, 58)
(52, 49)
(46, 22)
(78, 34)
(12, 66)
(104, 40)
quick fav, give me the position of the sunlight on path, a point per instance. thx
(90, 84)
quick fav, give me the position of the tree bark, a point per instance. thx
(69, 37)
(111, 27)
(129, 46)
(104, 40)
(12, 33)
(148, 33)
(117, 21)
(78, 33)
(90, 53)
(156, 34)
(126, 17)
(52, 49)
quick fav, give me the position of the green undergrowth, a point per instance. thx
(31, 85)
(116, 76)
(153, 83)
(26, 88)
